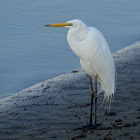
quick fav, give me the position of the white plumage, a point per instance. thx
(90, 46)
(95, 57)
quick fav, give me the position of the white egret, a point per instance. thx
(90, 46)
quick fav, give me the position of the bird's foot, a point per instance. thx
(88, 127)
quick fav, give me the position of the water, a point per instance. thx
(30, 52)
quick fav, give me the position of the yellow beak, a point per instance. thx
(59, 25)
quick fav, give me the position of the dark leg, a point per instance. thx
(95, 100)
(96, 94)
(92, 96)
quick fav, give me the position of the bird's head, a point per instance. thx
(70, 24)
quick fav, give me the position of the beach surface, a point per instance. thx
(54, 108)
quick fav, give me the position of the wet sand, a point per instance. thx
(53, 108)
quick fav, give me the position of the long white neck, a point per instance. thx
(75, 37)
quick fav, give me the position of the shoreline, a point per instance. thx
(53, 108)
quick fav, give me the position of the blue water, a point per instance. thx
(30, 52)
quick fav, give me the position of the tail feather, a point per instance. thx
(107, 81)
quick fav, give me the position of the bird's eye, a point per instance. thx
(69, 24)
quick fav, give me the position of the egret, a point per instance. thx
(96, 59)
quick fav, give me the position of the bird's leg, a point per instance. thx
(96, 100)
(92, 96)
(95, 96)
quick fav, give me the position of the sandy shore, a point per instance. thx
(53, 108)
